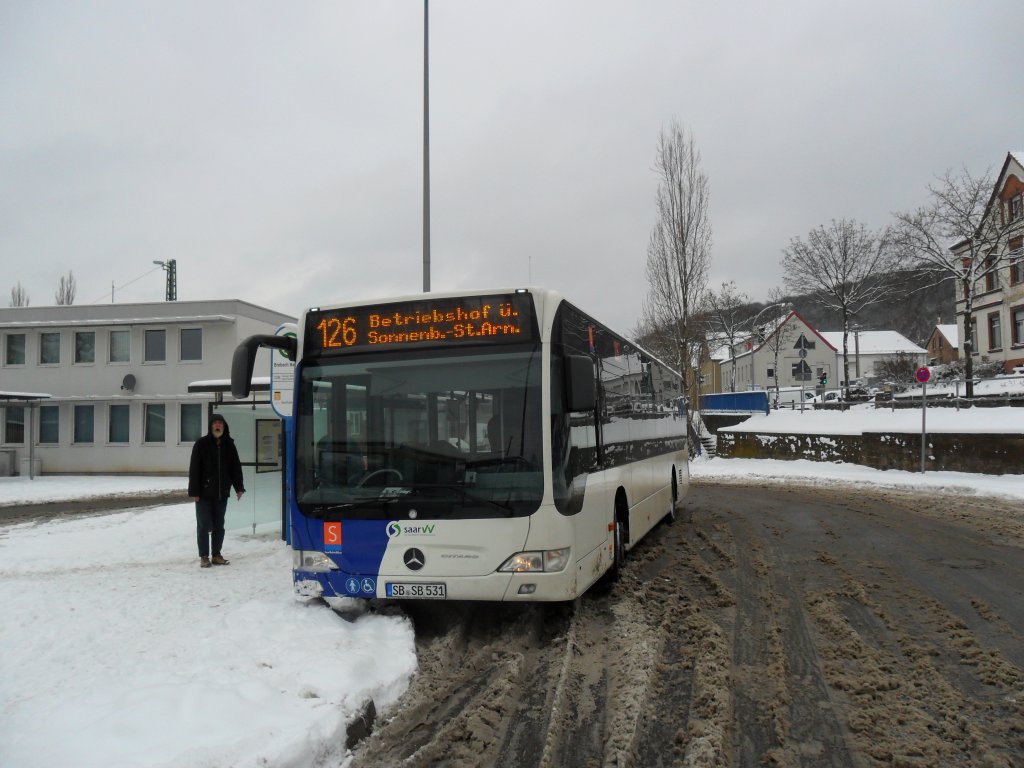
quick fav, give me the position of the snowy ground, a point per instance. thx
(120, 651)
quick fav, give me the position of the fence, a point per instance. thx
(735, 402)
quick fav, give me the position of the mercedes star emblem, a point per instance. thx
(413, 559)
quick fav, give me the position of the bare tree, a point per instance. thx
(952, 238)
(680, 245)
(19, 296)
(898, 368)
(65, 294)
(776, 333)
(843, 265)
(727, 322)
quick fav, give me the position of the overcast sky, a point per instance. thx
(275, 149)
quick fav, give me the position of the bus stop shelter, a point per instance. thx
(29, 402)
(258, 433)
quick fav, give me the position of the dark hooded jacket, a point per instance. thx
(215, 466)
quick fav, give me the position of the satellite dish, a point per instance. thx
(128, 382)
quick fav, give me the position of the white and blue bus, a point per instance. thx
(499, 445)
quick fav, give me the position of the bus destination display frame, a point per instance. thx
(441, 322)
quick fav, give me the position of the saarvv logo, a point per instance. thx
(397, 529)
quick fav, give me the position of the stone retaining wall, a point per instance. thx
(993, 454)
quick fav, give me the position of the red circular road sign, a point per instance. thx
(923, 374)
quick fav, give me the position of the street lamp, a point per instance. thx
(856, 328)
(171, 268)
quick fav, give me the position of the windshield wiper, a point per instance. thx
(319, 511)
(503, 461)
(467, 496)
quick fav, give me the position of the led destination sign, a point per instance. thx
(498, 319)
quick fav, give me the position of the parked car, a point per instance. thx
(858, 394)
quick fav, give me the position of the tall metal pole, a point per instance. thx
(924, 414)
(426, 151)
(856, 344)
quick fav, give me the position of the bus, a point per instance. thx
(497, 445)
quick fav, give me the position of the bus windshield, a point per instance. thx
(390, 436)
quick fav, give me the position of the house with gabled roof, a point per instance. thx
(786, 352)
(869, 349)
(996, 325)
(944, 344)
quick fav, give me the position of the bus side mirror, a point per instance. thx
(244, 359)
(581, 384)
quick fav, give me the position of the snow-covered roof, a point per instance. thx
(259, 384)
(951, 332)
(719, 353)
(874, 342)
(23, 396)
(162, 320)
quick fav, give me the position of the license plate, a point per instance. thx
(417, 591)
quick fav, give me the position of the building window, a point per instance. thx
(771, 373)
(49, 349)
(1016, 208)
(991, 274)
(191, 422)
(995, 336)
(1017, 326)
(14, 349)
(1016, 247)
(120, 346)
(49, 424)
(191, 344)
(84, 423)
(155, 423)
(156, 346)
(85, 346)
(14, 424)
(117, 429)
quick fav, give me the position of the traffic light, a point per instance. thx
(823, 379)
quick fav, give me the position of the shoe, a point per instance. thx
(218, 560)
(204, 562)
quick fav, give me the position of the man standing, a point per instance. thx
(213, 470)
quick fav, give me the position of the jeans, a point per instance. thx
(210, 524)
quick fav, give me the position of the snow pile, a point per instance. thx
(120, 651)
(866, 418)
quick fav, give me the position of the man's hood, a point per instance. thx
(217, 417)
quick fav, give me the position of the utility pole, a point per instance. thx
(171, 268)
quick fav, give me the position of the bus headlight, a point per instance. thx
(313, 561)
(541, 561)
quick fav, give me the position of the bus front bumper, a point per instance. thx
(510, 587)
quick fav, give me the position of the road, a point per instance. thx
(785, 627)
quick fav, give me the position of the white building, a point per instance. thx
(996, 327)
(867, 349)
(116, 381)
(786, 353)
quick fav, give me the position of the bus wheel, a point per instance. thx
(620, 547)
(619, 537)
(670, 516)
